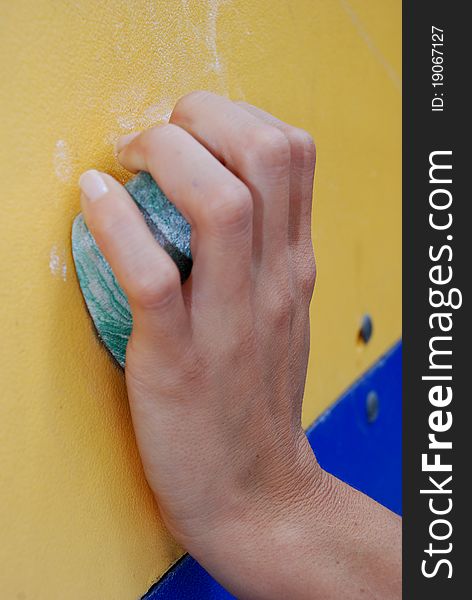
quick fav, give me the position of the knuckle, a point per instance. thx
(302, 144)
(152, 137)
(231, 207)
(185, 104)
(308, 278)
(268, 147)
(305, 269)
(280, 307)
(152, 291)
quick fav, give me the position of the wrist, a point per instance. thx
(259, 531)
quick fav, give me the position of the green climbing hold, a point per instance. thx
(105, 300)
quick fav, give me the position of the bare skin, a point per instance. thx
(215, 369)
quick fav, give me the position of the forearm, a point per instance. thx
(320, 539)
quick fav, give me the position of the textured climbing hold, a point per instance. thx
(105, 300)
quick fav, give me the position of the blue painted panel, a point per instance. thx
(187, 580)
(367, 455)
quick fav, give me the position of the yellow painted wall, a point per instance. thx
(76, 518)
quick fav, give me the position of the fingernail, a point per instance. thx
(93, 184)
(124, 140)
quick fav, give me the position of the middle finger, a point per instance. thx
(255, 152)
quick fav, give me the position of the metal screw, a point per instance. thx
(372, 406)
(366, 328)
